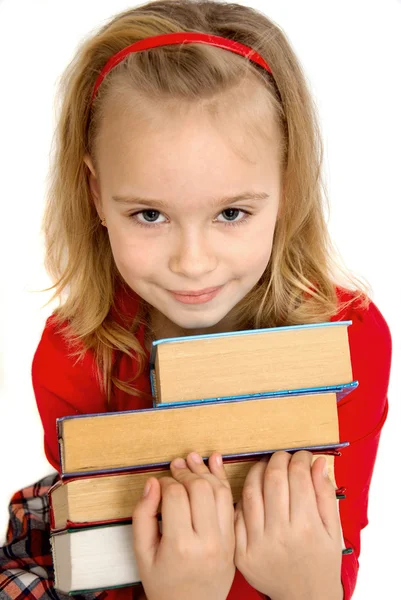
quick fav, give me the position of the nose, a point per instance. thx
(193, 256)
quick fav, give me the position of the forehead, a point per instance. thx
(177, 145)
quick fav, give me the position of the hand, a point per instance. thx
(193, 558)
(288, 530)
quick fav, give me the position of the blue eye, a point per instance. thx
(149, 211)
(153, 214)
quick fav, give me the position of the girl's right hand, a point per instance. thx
(193, 558)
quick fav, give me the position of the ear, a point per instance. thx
(94, 185)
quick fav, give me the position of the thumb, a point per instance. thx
(145, 524)
(326, 499)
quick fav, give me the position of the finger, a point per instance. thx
(302, 494)
(202, 492)
(175, 509)
(196, 465)
(216, 474)
(276, 491)
(185, 471)
(216, 467)
(188, 471)
(241, 538)
(216, 477)
(223, 496)
(252, 502)
(145, 524)
(326, 500)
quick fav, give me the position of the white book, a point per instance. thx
(97, 558)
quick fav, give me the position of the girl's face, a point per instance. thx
(161, 192)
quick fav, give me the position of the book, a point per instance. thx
(155, 436)
(93, 559)
(100, 498)
(294, 358)
(97, 558)
(244, 394)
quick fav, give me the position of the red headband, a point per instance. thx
(181, 37)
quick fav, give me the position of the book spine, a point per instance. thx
(340, 391)
(59, 425)
(66, 478)
(76, 526)
(72, 525)
(329, 449)
(153, 386)
(54, 560)
(51, 510)
(182, 405)
(243, 332)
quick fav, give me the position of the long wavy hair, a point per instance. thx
(299, 283)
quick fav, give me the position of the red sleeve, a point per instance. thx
(361, 417)
(62, 386)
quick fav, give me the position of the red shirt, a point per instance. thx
(64, 388)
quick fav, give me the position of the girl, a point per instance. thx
(186, 198)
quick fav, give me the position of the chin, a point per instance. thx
(195, 322)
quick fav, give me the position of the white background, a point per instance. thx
(350, 51)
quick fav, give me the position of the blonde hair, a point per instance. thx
(299, 283)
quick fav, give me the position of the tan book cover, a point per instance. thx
(107, 441)
(94, 499)
(249, 362)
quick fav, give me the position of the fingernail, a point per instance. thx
(179, 463)
(325, 470)
(219, 460)
(196, 458)
(147, 488)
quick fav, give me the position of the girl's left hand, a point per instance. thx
(288, 530)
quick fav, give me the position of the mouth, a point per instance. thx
(194, 293)
(199, 297)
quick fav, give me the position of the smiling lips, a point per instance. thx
(195, 293)
(197, 297)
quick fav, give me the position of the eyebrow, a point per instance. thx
(215, 201)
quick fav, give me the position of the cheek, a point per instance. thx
(255, 250)
(255, 258)
(131, 257)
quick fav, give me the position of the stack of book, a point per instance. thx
(244, 394)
